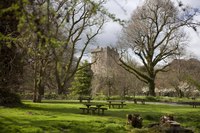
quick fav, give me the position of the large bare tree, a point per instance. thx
(84, 24)
(154, 34)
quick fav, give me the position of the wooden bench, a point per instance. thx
(92, 110)
(195, 104)
(116, 103)
(102, 110)
(85, 109)
(136, 100)
(119, 105)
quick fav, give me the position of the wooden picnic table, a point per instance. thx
(93, 107)
(136, 100)
(118, 103)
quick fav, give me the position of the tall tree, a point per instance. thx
(35, 33)
(10, 56)
(56, 35)
(82, 80)
(154, 34)
(85, 20)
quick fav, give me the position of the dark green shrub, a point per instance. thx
(9, 99)
(51, 96)
(54, 96)
(100, 96)
(151, 99)
(129, 98)
(117, 97)
(26, 96)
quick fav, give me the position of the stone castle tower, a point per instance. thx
(108, 76)
(104, 59)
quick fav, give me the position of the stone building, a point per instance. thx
(109, 78)
(104, 59)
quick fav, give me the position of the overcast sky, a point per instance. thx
(124, 8)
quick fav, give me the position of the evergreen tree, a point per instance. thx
(82, 80)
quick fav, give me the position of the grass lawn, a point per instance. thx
(56, 117)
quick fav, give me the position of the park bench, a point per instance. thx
(85, 110)
(116, 103)
(136, 100)
(102, 110)
(93, 110)
(195, 104)
(88, 99)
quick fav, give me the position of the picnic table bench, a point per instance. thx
(93, 109)
(116, 103)
(194, 102)
(136, 100)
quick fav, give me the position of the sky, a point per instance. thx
(123, 10)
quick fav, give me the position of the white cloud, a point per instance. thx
(112, 30)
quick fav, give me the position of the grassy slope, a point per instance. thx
(66, 117)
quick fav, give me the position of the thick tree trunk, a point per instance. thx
(152, 88)
(60, 87)
(38, 84)
(35, 95)
(38, 93)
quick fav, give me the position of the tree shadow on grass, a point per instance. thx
(63, 110)
(61, 101)
(58, 126)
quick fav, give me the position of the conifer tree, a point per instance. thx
(82, 80)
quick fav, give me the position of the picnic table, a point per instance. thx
(92, 108)
(136, 100)
(194, 102)
(116, 103)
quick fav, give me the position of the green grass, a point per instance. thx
(165, 99)
(64, 116)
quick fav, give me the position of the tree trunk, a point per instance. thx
(35, 82)
(35, 94)
(38, 83)
(38, 93)
(152, 88)
(60, 90)
(58, 80)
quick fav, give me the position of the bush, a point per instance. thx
(100, 96)
(9, 99)
(51, 96)
(129, 98)
(54, 96)
(152, 99)
(26, 96)
(117, 97)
